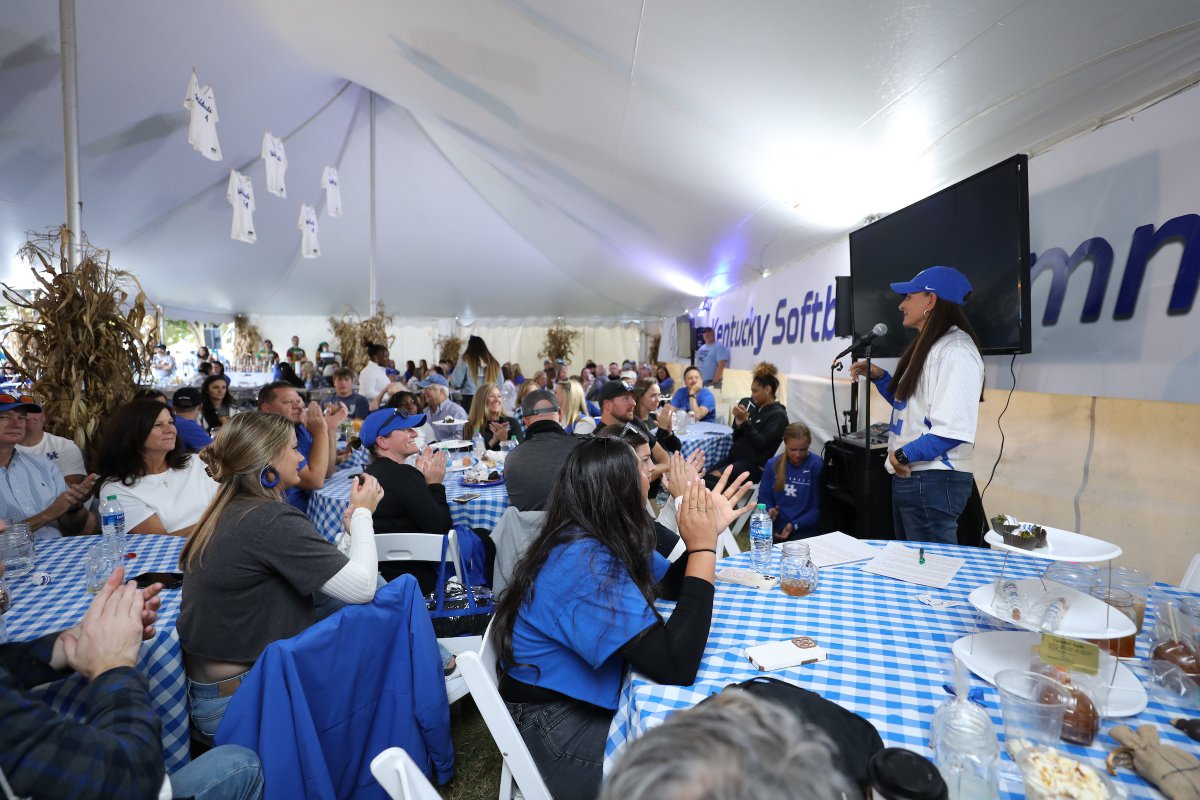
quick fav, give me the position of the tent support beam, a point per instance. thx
(70, 98)
(374, 299)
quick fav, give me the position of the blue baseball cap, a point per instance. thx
(384, 421)
(946, 282)
(434, 379)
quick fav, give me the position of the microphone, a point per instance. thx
(879, 330)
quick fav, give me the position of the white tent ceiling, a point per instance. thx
(545, 156)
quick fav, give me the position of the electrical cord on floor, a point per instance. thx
(1011, 371)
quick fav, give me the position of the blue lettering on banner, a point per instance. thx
(1146, 242)
(787, 323)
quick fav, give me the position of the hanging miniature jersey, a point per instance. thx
(202, 130)
(275, 157)
(333, 194)
(240, 195)
(308, 232)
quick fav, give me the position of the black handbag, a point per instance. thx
(458, 609)
(855, 738)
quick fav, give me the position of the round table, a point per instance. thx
(714, 439)
(885, 651)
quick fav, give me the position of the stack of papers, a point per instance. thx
(903, 563)
(831, 549)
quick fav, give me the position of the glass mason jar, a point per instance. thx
(798, 576)
(16, 549)
(1121, 601)
(1136, 582)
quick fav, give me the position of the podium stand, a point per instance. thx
(844, 505)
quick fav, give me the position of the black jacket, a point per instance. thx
(756, 440)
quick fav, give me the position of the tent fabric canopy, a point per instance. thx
(614, 160)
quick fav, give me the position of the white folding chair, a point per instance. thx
(400, 777)
(519, 777)
(428, 547)
(1191, 578)
(750, 498)
(727, 545)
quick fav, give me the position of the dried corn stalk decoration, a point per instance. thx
(246, 341)
(355, 333)
(82, 338)
(448, 348)
(559, 343)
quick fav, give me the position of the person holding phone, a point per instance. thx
(758, 423)
(255, 568)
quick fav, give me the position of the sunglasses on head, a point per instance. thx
(5, 397)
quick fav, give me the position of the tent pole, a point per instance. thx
(70, 98)
(374, 295)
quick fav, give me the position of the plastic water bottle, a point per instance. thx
(112, 528)
(760, 540)
(478, 445)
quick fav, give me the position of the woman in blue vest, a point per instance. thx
(580, 608)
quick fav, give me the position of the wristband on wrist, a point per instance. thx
(701, 550)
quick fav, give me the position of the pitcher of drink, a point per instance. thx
(16, 549)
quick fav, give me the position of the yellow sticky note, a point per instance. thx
(1070, 653)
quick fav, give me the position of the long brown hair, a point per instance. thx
(944, 316)
(795, 430)
(477, 420)
(479, 358)
(236, 459)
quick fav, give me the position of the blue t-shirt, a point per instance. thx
(192, 435)
(358, 406)
(704, 397)
(799, 501)
(572, 630)
(295, 495)
(707, 357)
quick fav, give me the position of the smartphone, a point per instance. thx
(465, 498)
(169, 580)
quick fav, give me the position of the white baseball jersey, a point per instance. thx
(240, 195)
(333, 194)
(276, 159)
(308, 232)
(59, 451)
(202, 129)
(945, 403)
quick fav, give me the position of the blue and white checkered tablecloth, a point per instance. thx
(38, 610)
(715, 440)
(885, 651)
(327, 504)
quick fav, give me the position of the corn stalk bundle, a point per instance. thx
(246, 340)
(559, 343)
(355, 333)
(83, 338)
(448, 348)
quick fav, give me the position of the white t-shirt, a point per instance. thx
(372, 380)
(945, 403)
(276, 159)
(202, 128)
(59, 451)
(240, 195)
(177, 496)
(333, 194)
(308, 232)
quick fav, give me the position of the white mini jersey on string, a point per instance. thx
(240, 195)
(333, 194)
(276, 159)
(308, 232)
(202, 129)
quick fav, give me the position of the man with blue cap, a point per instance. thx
(439, 407)
(934, 396)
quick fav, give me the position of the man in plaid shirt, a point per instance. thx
(117, 752)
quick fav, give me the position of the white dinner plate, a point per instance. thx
(452, 422)
(1087, 617)
(987, 653)
(1062, 546)
(452, 444)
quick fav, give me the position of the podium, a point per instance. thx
(844, 504)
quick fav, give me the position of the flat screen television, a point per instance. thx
(979, 226)
(685, 338)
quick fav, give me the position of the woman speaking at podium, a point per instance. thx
(935, 396)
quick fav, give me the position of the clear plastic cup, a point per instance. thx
(98, 565)
(16, 549)
(1032, 708)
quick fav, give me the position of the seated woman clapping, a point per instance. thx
(254, 564)
(161, 487)
(580, 608)
(488, 420)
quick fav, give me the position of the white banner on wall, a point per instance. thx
(1115, 236)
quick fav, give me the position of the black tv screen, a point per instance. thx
(979, 226)
(685, 338)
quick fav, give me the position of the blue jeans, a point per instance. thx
(229, 772)
(566, 740)
(926, 505)
(206, 708)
